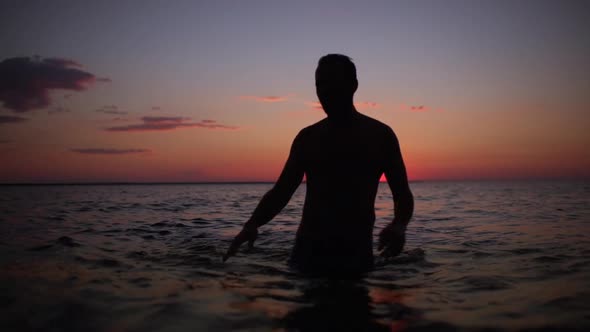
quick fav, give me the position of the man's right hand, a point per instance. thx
(248, 234)
(392, 240)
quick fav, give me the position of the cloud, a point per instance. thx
(110, 109)
(162, 123)
(156, 108)
(61, 62)
(25, 82)
(367, 105)
(11, 119)
(363, 105)
(107, 151)
(316, 105)
(420, 108)
(267, 99)
(157, 119)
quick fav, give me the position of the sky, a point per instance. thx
(199, 91)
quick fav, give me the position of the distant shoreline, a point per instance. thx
(266, 182)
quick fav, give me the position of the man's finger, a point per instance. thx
(383, 252)
(392, 250)
(233, 248)
(385, 234)
(228, 254)
(381, 244)
(382, 241)
(388, 253)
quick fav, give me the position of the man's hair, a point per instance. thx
(338, 63)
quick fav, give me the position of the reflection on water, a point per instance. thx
(497, 256)
(334, 306)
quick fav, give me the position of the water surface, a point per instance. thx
(479, 255)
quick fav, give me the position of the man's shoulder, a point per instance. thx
(376, 125)
(368, 123)
(312, 128)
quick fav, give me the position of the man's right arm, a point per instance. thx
(274, 200)
(392, 238)
(277, 198)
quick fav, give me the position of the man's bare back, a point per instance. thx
(342, 157)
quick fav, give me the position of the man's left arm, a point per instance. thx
(392, 238)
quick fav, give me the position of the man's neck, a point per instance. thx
(345, 113)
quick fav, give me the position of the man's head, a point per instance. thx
(336, 83)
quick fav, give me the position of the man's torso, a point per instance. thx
(343, 163)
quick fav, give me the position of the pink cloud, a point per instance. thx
(163, 123)
(418, 108)
(158, 119)
(367, 105)
(267, 99)
(316, 105)
(25, 82)
(108, 151)
(363, 105)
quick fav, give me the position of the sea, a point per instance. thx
(479, 256)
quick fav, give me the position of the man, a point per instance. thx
(343, 157)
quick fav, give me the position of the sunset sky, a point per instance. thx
(157, 91)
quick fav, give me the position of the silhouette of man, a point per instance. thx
(343, 157)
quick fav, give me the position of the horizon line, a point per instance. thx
(112, 183)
